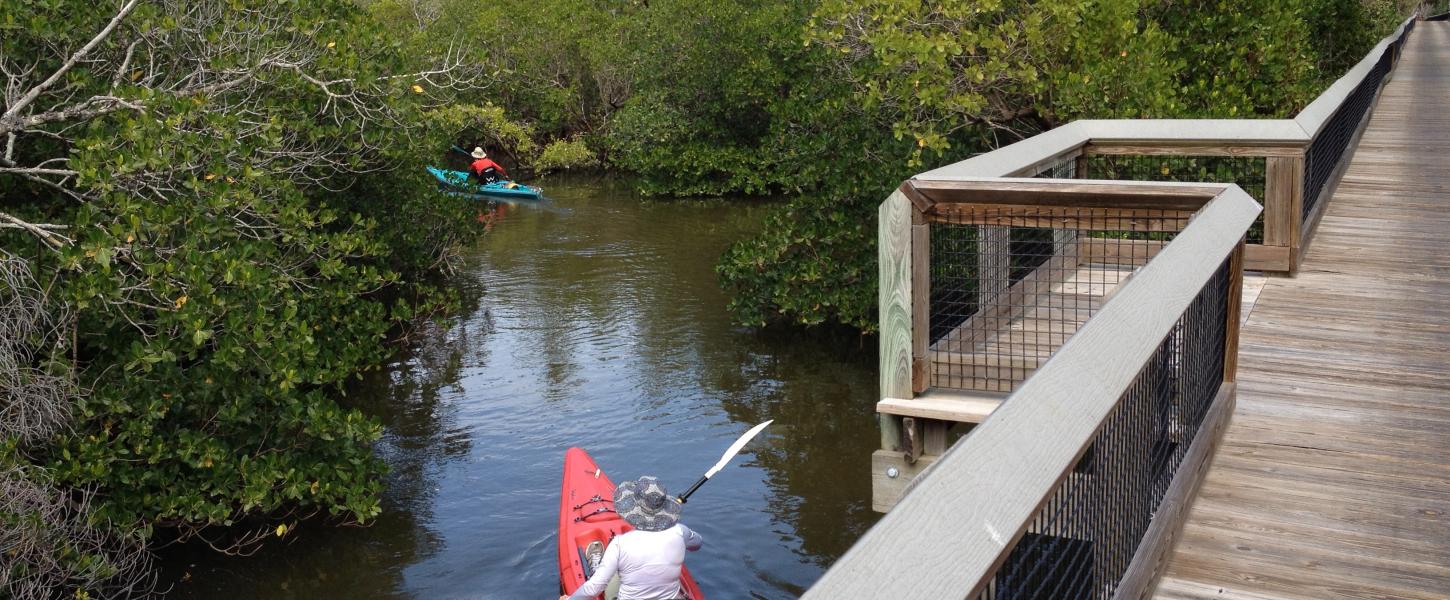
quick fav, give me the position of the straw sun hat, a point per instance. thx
(478, 153)
(646, 505)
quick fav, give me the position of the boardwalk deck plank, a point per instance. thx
(1334, 476)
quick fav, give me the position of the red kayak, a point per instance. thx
(586, 516)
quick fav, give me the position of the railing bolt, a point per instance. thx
(892, 472)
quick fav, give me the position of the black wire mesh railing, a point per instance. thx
(1331, 144)
(1246, 171)
(1010, 285)
(1086, 534)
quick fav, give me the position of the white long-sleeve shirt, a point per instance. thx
(648, 563)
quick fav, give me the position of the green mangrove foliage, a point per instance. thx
(1241, 58)
(948, 79)
(205, 191)
(841, 99)
(696, 97)
(1341, 32)
(959, 73)
(565, 154)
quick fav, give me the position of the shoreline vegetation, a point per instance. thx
(198, 201)
(834, 102)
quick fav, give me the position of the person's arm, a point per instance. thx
(501, 170)
(693, 541)
(600, 580)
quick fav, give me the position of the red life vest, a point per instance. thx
(483, 164)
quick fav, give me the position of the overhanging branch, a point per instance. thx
(30, 96)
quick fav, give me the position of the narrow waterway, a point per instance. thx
(600, 324)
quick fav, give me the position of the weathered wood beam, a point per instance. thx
(945, 405)
(1062, 217)
(1071, 193)
(892, 475)
(1235, 306)
(1310, 223)
(1189, 148)
(1283, 204)
(1258, 257)
(894, 297)
(920, 299)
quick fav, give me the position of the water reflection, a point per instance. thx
(601, 326)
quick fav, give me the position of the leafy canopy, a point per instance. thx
(227, 177)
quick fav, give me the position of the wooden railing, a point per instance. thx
(1285, 158)
(930, 385)
(1060, 287)
(1089, 456)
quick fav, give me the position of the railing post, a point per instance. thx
(1284, 206)
(908, 445)
(894, 252)
(1233, 312)
(920, 300)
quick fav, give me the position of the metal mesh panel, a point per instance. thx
(1247, 172)
(1010, 285)
(1062, 169)
(1331, 144)
(1085, 535)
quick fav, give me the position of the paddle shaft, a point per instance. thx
(685, 496)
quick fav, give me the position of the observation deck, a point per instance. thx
(1175, 358)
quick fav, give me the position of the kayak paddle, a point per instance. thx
(725, 458)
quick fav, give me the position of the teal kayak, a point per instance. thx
(458, 182)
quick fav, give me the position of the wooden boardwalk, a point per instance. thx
(1333, 479)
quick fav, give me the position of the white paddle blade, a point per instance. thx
(735, 448)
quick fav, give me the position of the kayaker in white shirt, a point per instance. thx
(649, 559)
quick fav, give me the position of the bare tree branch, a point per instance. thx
(44, 232)
(84, 111)
(50, 534)
(36, 171)
(34, 402)
(30, 96)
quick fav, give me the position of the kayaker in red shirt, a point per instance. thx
(483, 169)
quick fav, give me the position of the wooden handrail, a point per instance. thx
(927, 194)
(1017, 159)
(950, 533)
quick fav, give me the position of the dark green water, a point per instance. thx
(602, 325)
